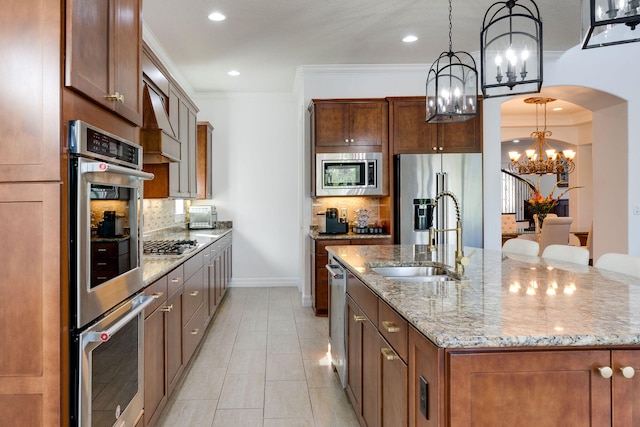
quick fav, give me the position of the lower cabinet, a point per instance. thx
(176, 322)
(376, 373)
(319, 277)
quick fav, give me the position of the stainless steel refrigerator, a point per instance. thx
(423, 176)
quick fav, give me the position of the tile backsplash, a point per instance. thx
(352, 204)
(164, 213)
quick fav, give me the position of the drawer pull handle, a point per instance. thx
(194, 293)
(357, 318)
(102, 250)
(115, 97)
(195, 331)
(390, 326)
(628, 372)
(157, 295)
(606, 372)
(389, 354)
(175, 280)
(167, 309)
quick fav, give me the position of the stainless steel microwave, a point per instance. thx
(349, 174)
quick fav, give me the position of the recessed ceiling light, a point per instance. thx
(217, 16)
(234, 73)
(409, 39)
(516, 140)
(558, 109)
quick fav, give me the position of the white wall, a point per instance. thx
(256, 180)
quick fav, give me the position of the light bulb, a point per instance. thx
(514, 156)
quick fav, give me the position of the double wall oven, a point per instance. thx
(107, 305)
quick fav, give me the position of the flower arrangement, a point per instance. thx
(543, 205)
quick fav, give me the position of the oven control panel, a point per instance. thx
(85, 139)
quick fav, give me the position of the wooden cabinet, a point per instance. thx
(409, 133)
(204, 169)
(349, 124)
(30, 304)
(109, 258)
(103, 54)
(169, 133)
(319, 274)
(175, 361)
(426, 382)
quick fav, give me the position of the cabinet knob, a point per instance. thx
(157, 295)
(435, 148)
(352, 140)
(605, 372)
(194, 293)
(628, 372)
(357, 318)
(388, 354)
(390, 326)
(346, 140)
(440, 148)
(167, 309)
(195, 331)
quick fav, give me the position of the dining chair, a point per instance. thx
(555, 231)
(574, 254)
(620, 263)
(521, 246)
(509, 223)
(535, 220)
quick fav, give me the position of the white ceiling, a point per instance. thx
(265, 40)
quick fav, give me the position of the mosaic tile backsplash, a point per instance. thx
(164, 213)
(352, 204)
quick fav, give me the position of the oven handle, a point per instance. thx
(103, 336)
(107, 167)
(333, 271)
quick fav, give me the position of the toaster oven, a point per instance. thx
(202, 217)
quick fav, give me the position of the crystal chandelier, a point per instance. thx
(541, 158)
(452, 86)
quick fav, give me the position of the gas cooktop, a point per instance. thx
(169, 248)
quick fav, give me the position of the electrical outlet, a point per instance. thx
(424, 397)
(636, 210)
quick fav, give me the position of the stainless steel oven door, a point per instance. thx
(105, 267)
(111, 371)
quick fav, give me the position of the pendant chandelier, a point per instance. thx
(452, 86)
(613, 22)
(541, 158)
(511, 49)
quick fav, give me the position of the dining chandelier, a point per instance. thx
(452, 86)
(541, 158)
(613, 22)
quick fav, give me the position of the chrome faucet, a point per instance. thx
(461, 259)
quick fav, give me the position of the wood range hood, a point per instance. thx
(157, 137)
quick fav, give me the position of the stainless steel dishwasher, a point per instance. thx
(337, 310)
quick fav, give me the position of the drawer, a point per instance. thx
(393, 328)
(192, 333)
(101, 249)
(176, 279)
(363, 296)
(192, 265)
(193, 295)
(120, 263)
(158, 290)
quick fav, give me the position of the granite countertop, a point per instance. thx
(504, 301)
(350, 235)
(154, 267)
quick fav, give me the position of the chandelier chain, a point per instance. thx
(450, 29)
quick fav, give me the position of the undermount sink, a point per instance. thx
(414, 274)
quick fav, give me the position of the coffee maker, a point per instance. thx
(333, 224)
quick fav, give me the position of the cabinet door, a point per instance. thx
(366, 124)
(393, 386)
(370, 405)
(536, 389)
(155, 380)
(30, 304)
(204, 161)
(410, 133)
(30, 103)
(175, 362)
(103, 54)
(127, 63)
(461, 137)
(426, 369)
(332, 124)
(626, 391)
(354, 353)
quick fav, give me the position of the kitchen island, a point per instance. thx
(517, 340)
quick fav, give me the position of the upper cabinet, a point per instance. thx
(349, 125)
(169, 133)
(411, 134)
(205, 159)
(103, 39)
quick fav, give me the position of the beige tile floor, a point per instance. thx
(263, 363)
